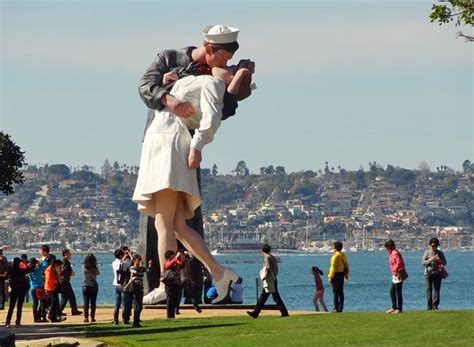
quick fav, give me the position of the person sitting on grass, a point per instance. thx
(237, 292)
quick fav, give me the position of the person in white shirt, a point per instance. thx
(167, 187)
(121, 269)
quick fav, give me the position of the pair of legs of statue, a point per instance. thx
(170, 224)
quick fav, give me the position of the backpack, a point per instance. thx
(122, 275)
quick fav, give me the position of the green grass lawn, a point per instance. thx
(416, 328)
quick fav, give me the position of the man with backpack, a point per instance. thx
(121, 269)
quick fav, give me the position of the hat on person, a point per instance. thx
(220, 34)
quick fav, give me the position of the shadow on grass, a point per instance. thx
(121, 331)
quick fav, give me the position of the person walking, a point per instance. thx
(399, 274)
(433, 260)
(67, 293)
(18, 287)
(90, 287)
(268, 275)
(319, 293)
(338, 273)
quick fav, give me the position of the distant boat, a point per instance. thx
(215, 252)
(353, 249)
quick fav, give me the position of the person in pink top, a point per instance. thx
(399, 274)
(319, 293)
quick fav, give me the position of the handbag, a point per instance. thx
(403, 274)
(432, 269)
(40, 294)
(442, 271)
(170, 277)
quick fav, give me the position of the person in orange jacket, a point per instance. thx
(51, 286)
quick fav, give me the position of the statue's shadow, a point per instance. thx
(121, 331)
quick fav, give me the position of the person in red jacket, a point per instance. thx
(173, 286)
(399, 274)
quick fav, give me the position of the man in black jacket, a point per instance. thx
(67, 293)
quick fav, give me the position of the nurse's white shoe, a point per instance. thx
(156, 296)
(223, 285)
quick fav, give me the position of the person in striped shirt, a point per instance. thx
(137, 272)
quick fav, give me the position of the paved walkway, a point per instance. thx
(34, 331)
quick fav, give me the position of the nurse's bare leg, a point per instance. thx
(165, 209)
(194, 243)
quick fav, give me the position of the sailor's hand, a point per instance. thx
(170, 77)
(181, 108)
(194, 159)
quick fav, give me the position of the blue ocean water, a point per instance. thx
(366, 290)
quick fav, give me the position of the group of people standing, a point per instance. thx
(47, 278)
(433, 261)
(129, 271)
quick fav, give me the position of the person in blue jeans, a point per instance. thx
(121, 269)
(36, 280)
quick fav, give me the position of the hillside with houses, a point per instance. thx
(305, 211)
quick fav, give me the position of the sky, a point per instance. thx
(349, 82)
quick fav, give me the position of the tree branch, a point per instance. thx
(467, 37)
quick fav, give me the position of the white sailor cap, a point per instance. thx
(220, 34)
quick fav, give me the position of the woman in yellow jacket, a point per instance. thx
(338, 272)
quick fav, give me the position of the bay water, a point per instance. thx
(367, 288)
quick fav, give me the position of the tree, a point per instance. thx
(58, 172)
(460, 11)
(214, 170)
(466, 165)
(280, 170)
(268, 170)
(241, 169)
(106, 169)
(424, 167)
(11, 161)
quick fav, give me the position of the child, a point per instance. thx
(18, 289)
(319, 294)
(237, 292)
(137, 272)
(338, 273)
